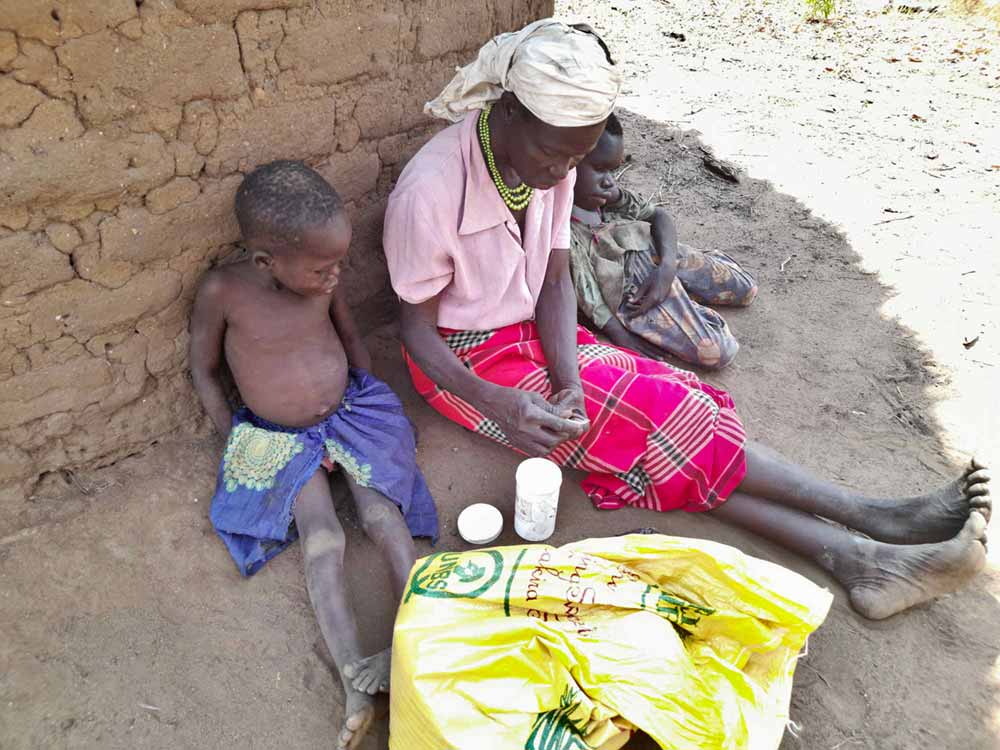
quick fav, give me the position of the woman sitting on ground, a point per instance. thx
(477, 236)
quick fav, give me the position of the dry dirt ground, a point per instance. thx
(874, 236)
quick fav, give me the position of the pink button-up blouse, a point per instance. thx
(448, 232)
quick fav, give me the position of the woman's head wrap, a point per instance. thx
(563, 74)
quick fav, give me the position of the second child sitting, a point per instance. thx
(635, 282)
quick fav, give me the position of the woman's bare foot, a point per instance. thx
(883, 579)
(371, 674)
(359, 710)
(935, 517)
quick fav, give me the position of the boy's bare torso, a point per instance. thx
(282, 349)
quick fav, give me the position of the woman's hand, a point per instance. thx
(570, 404)
(533, 425)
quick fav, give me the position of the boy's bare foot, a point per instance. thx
(934, 517)
(359, 710)
(884, 579)
(371, 674)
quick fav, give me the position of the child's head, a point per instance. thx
(595, 180)
(294, 225)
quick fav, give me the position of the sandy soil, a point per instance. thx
(125, 625)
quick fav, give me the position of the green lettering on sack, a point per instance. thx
(454, 575)
(556, 729)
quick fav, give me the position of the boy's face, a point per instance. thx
(595, 179)
(312, 267)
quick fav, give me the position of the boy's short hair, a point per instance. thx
(282, 198)
(613, 125)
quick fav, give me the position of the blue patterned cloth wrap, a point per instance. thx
(265, 466)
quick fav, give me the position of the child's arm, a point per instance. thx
(665, 240)
(657, 285)
(208, 326)
(354, 346)
(590, 302)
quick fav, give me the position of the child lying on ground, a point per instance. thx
(635, 282)
(310, 402)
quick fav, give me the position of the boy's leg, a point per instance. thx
(384, 525)
(323, 553)
(934, 517)
(678, 324)
(714, 278)
(881, 579)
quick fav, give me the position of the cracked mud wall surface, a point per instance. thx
(125, 129)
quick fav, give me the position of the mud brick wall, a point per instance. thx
(125, 128)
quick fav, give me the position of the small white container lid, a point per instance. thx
(538, 474)
(480, 523)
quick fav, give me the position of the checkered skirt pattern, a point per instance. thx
(659, 437)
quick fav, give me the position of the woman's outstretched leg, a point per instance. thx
(934, 517)
(881, 579)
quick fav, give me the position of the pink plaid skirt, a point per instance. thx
(659, 437)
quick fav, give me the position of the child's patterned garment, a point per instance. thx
(265, 466)
(610, 261)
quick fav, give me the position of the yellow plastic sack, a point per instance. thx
(547, 648)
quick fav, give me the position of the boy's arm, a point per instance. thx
(208, 326)
(354, 346)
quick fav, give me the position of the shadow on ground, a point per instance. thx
(126, 625)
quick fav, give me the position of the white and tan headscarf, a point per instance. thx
(562, 74)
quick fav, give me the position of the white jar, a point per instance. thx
(538, 481)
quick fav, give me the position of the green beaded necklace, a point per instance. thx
(515, 198)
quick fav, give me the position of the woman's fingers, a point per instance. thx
(540, 425)
(537, 450)
(561, 407)
(568, 404)
(573, 428)
(555, 429)
(542, 441)
(544, 415)
(531, 447)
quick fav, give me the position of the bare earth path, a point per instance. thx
(124, 625)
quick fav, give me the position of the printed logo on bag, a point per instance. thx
(556, 729)
(455, 575)
(676, 610)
